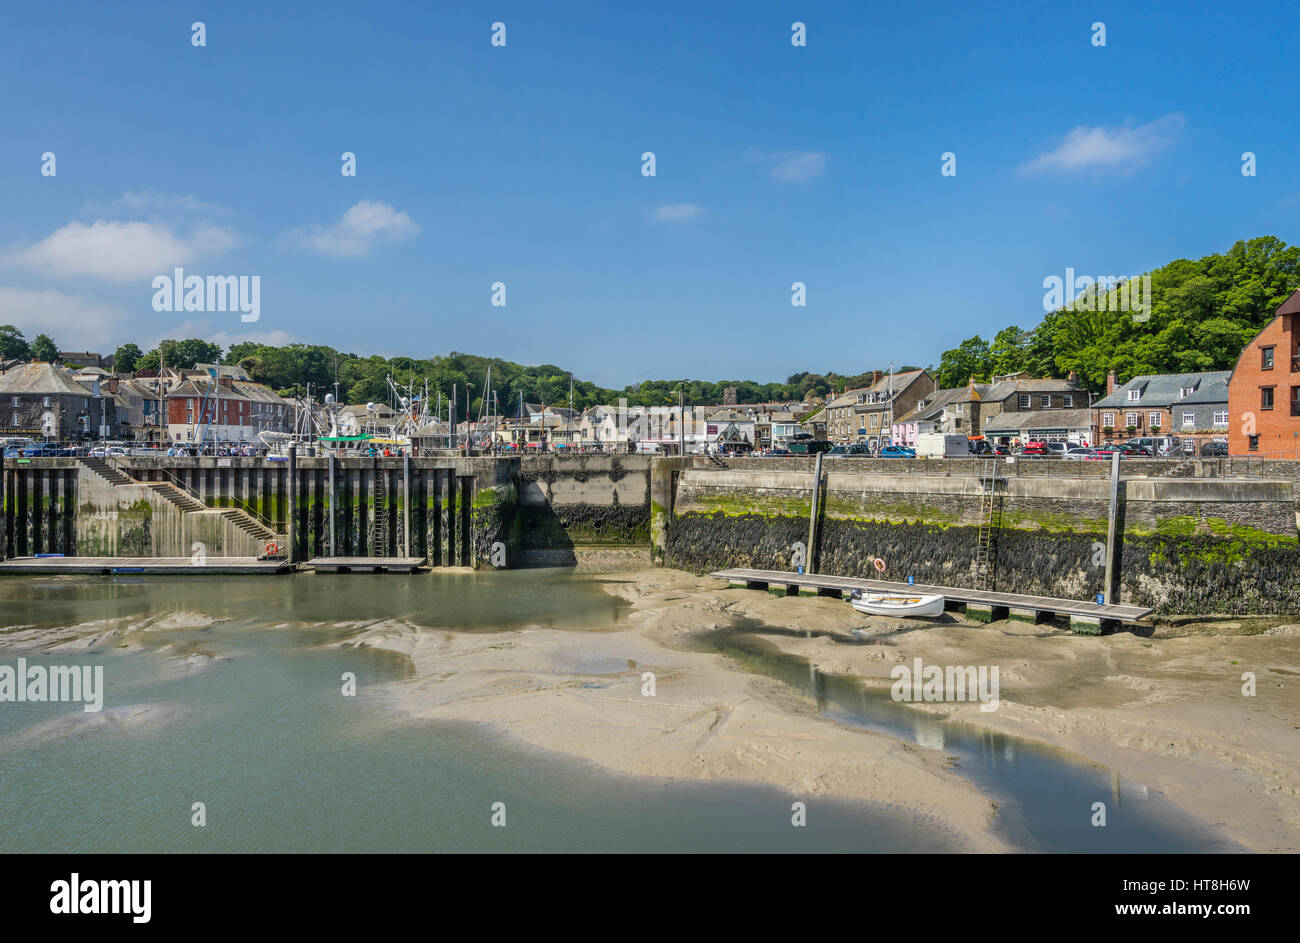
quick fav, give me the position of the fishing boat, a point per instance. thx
(897, 604)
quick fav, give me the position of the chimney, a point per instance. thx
(227, 383)
(1110, 382)
(1072, 377)
(112, 384)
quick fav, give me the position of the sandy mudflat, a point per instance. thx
(582, 695)
(1165, 712)
(1168, 713)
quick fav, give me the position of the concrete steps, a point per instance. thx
(106, 471)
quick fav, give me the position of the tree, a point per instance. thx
(969, 361)
(125, 358)
(12, 344)
(44, 348)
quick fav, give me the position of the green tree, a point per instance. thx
(12, 344)
(44, 348)
(125, 358)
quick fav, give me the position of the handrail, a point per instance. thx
(174, 480)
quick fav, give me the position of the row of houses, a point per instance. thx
(1254, 408)
(206, 404)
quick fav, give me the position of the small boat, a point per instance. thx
(896, 604)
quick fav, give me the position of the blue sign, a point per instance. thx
(1101, 599)
(911, 581)
(801, 569)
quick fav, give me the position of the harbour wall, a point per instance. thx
(1187, 544)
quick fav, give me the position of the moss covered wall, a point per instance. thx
(1217, 547)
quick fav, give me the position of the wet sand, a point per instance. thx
(1165, 712)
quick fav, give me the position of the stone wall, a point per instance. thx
(1225, 545)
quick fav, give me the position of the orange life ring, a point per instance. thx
(879, 564)
(272, 549)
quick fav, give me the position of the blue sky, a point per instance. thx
(522, 164)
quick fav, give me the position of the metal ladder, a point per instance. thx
(986, 546)
(379, 515)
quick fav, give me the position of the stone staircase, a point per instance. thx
(185, 502)
(107, 471)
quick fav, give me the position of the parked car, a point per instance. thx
(1136, 451)
(1076, 452)
(1215, 449)
(777, 452)
(853, 448)
(1032, 449)
(897, 451)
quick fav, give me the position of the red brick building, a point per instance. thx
(1264, 392)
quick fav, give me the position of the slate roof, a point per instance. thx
(1163, 389)
(1039, 419)
(42, 379)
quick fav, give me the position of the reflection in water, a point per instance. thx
(1045, 796)
(246, 716)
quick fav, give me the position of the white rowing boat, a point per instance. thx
(897, 604)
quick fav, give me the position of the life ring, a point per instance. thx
(879, 564)
(272, 549)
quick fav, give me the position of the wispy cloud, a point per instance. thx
(120, 251)
(203, 329)
(1122, 149)
(74, 321)
(152, 203)
(678, 212)
(799, 165)
(791, 166)
(364, 226)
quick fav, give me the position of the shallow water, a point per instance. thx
(246, 716)
(1045, 796)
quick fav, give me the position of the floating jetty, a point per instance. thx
(1087, 618)
(366, 564)
(158, 566)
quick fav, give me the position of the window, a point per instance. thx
(1185, 392)
(1221, 417)
(1024, 400)
(1189, 420)
(1131, 419)
(1045, 401)
(13, 421)
(1154, 420)
(1254, 443)
(45, 401)
(1067, 400)
(1108, 420)
(14, 401)
(959, 405)
(1266, 358)
(1134, 395)
(1266, 397)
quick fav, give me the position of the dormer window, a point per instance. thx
(1134, 395)
(1186, 392)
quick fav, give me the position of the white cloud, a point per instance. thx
(74, 321)
(142, 202)
(797, 166)
(358, 231)
(120, 251)
(1123, 149)
(678, 212)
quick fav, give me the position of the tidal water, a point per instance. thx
(246, 717)
(259, 733)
